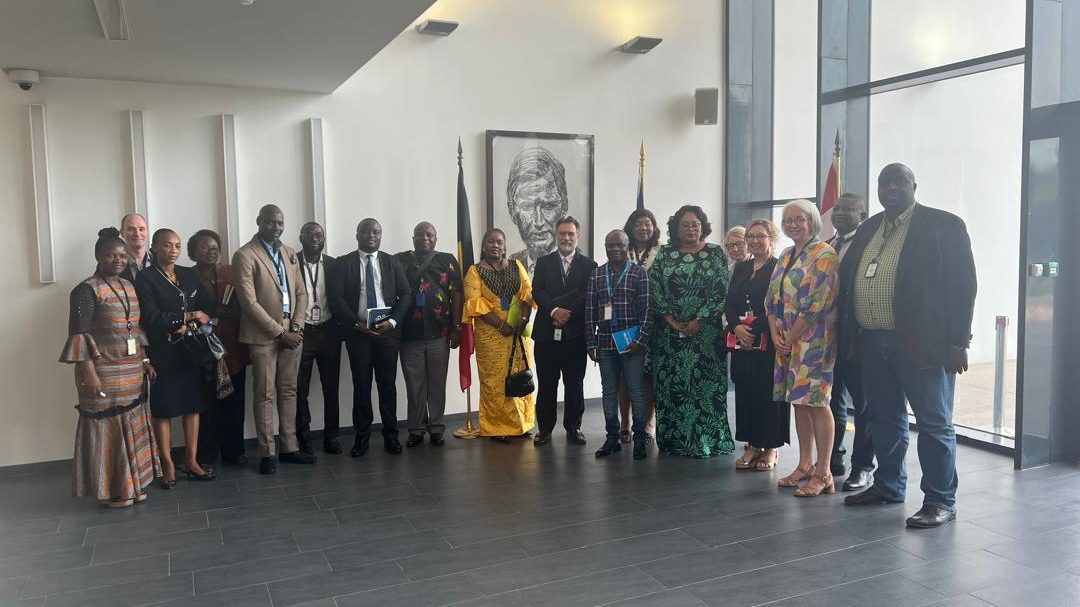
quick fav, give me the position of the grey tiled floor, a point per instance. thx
(479, 523)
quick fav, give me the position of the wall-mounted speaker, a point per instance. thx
(706, 105)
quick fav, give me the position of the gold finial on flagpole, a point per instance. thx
(836, 144)
(459, 151)
(642, 162)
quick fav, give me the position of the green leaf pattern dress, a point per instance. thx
(690, 374)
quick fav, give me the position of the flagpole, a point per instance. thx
(836, 154)
(469, 432)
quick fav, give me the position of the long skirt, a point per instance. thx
(499, 414)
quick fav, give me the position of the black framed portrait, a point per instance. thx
(533, 180)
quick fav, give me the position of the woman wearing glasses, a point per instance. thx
(802, 321)
(735, 246)
(689, 281)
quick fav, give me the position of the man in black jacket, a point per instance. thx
(364, 281)
(322, 342)
(907, 294)
(559, 332)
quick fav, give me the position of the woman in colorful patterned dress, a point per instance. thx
(115, 457)
(689, 280)
(802, 320)
(490, 286)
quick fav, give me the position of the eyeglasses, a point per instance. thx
(798, 221)
(735, 245)
(757, 236)
(690, 226)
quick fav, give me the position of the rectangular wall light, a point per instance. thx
(39, 154)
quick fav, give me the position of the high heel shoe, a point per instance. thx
(207, 475)
(749, 456)
(165, 483)
(817, 485)
(796, 477)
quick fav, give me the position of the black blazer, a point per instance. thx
(344, 278)
(162, 309)
(550, 291)
(746, 284)
(935, 288)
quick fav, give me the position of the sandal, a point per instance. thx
(816, 486)
(767, 461)
(207, 475)
(624, 436)
(796, 477)
(746, 462)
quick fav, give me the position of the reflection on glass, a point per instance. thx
(911, 35)
(963, 138)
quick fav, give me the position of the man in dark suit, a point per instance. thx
(847, 215)
(362, 281)
(322, 342)
(907, 294)
(559, 286)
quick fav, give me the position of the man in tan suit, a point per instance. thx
(273, 302)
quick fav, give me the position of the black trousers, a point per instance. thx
(555, 359)
(378, 357)
(322, 345)
(848, 392)
(221, 425)
(759, 420)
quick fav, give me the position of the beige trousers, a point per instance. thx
(273, 371)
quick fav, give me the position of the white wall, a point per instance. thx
(391, 133)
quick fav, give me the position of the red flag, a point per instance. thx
(833, 189)
(465, 260)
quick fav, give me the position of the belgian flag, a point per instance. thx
(465, 260)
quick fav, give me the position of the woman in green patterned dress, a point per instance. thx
(689, 280)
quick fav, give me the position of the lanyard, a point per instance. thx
(124, 303)
(275, 257)
(312, 277)
(888, 228)
(607, 280)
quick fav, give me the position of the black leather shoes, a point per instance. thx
(859, 479)
(576, 437)
(268, 465)
(869, 497)
(392, 446)
(332, 447)
(360, 447)
(414, 440)
(542, 438)
(929, 517)
(437, 439)
(639, 451)
(234, 460)
(297, 457)
(611, 445)
(305, 447)
(837, 467)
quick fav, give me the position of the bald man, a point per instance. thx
(137, 241)
(431, 328)
(273, 304)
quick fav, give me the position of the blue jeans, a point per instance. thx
(630, 369)
(888, 380)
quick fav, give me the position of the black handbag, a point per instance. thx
(200, 349)
(520, 383)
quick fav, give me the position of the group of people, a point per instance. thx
(874, 317)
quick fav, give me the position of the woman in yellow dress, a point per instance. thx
(490, 288)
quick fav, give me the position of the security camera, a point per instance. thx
(26, 79)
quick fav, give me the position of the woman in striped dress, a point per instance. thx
(115, 457)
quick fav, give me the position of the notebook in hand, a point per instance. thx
(623, 339)
(376, 315)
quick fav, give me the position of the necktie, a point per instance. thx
(369, 284)
(565, 266)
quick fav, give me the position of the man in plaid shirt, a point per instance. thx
(617, 299)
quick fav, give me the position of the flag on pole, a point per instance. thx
(465, 261)
(833, 188)
(641, 179)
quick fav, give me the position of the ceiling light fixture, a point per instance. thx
(640, 45)
(113, 18)
(436, 27)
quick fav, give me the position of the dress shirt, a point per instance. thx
(136, 267)
(631, 304)
(874, 296)
(377, 275)
(316, 287)
(840, 243)
(274, 251)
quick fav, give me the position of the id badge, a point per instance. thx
(132, 346)
(505, 303)
(871, 269)
(316, 315)
(608, 312)
(558, 335)
(420, 299)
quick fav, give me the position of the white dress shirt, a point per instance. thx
(377, 274)
(315, 281)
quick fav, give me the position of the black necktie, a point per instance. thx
(369, 284)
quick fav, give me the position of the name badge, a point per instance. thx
(609, 312)
(505, 302)
(132, 346)
(316, 315)
(558, 335)
(420, 299)
(871, 269)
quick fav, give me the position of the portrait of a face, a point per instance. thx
(541, 182)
